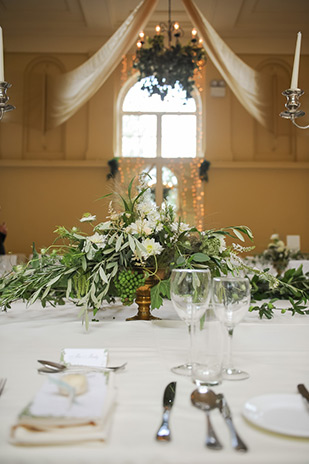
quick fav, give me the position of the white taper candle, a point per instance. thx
(1, 57)
(294, 81)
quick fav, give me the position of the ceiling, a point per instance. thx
(82, 26)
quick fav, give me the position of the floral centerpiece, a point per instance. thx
(116, 258)
(276, 253)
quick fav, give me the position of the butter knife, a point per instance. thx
(303, 391)
(237, 442)
(164, 433)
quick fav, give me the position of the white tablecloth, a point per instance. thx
(275, 352)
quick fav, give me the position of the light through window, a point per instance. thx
(154, 128)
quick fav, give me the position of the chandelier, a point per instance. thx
(165, 62)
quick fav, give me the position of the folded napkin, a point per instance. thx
(52, 418)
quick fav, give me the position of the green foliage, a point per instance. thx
(168, 66)
(293, 286)
(158, 292)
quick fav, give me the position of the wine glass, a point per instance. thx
(231, 301)
(190, 294)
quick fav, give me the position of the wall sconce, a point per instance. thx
(217, 88)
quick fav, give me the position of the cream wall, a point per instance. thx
(50, 179)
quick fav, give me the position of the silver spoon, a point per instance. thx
(206, 401)
(51, 367)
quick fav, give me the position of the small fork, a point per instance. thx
(2, 385)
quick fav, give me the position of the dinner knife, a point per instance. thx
(164, 433)
(237, 442)
(303, 391)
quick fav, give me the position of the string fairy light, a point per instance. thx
(190, 186)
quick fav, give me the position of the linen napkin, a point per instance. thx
(52, 418)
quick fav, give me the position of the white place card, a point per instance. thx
(293, 242)
(93, 357)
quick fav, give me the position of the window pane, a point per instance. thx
(139, 100)
(139, 136)
(178, 136)
(170, 187)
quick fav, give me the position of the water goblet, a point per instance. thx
(231, 301)
(190, 295)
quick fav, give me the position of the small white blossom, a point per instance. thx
(222, 244)
(97, 239)
(87, 217)
(274, 237)
(140, 226)
(180, 227)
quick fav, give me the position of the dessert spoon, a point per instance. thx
(51, 367)
(206, 401)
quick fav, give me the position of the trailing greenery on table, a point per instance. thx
(166, 67)
(294, 287)
(135, 241)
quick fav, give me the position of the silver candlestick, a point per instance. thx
(292, 106)
(4, 86)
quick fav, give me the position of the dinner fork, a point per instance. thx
(2, 384)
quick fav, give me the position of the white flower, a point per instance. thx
(97, 239)
(151, 248)
(274, 237)
(87, 217)
(180, 227)
(222, 244)
(147, 207)
(103, 225)
(159, 226)
(140, 226)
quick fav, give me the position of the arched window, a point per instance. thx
(160, 137)
(155, 128)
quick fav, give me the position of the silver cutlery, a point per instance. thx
(51, 367)
(303, 391)
(237, 442)
(206, 401)
(2, 385)
(164, 433)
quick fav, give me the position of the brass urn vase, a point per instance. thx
(143, 298)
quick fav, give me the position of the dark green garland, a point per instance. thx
(166, 67)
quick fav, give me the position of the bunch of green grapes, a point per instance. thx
(127, 283)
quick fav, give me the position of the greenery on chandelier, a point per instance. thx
(136, 240)
(166, 67)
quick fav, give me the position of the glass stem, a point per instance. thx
(192, 330)
(229, 357)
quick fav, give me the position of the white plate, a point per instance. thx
(281, 413)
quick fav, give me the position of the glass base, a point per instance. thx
(183, 369)
(234, 374)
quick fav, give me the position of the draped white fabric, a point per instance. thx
(251, 88)
(68, 92)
